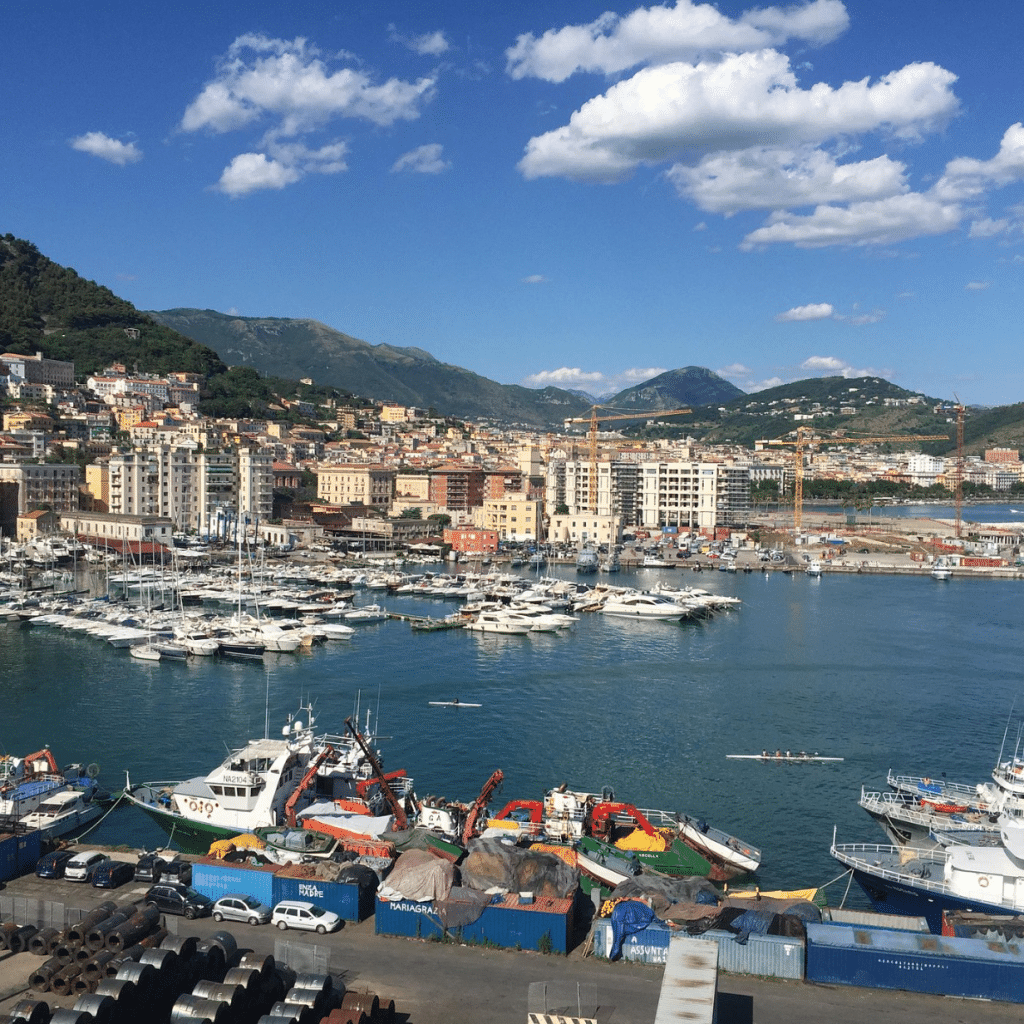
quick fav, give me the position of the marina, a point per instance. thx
(633, 705)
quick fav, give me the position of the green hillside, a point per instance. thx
(47, 308)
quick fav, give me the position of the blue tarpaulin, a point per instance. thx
(628, 917)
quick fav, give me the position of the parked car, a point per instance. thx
(179, 871)
(83, 866)
(52, 864)
(307, 916)
(150, 868)
(173, 898)
(113, 874)
(237, 906)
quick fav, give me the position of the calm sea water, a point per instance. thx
(883, 671)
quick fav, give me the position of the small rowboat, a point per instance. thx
(452, 704)
(787, 758)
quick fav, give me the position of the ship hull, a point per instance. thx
(187, 835)
(889, 896)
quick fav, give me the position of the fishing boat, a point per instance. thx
(908, 820)
(986, 878)
(256, 786)
(599, 827)
(587, 561)
(919, 805)
(32, 785)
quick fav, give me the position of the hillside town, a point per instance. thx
(127, 458)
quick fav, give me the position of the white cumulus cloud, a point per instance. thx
(741, 101)
(430, 44)
(883, 221)
(253, 172)
(685, 31)
(814, 311)
(422, 160)
(592, 381)
(106, 148)
(286, 86)
(771, 179)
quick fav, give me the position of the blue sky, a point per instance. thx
(546, 193)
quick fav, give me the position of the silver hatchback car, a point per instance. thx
(237, 906)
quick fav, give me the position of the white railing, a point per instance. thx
(846, 853)
(922, 786)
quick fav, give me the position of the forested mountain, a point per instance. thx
(47, 308)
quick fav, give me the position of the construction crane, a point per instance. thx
(958, 481)
(806, 436)
(595, 421)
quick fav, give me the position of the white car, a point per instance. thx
(307, 916)
(83, 866)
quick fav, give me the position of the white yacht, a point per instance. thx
(637, 604)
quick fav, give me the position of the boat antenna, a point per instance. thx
(1002, 746)
(266, 707)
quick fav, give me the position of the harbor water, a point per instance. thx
(883, 671)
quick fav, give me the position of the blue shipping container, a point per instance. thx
(765, 956)
(342, 898)
(19, 854)
(649, 946)
(934, 964)
(544, 925)
(215, 878)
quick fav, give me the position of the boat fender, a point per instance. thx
(983, 880)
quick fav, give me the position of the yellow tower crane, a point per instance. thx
(806, 436)
(595, 421)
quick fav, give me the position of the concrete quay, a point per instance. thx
(441, 983)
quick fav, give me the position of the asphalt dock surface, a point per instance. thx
(446, 983)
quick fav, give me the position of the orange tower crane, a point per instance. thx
(595, 422)
(805, 437)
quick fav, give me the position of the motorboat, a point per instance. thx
(654, 562)
(29, 783)
(499, 621)
(63, 811)
(587, 561)
(638, 604)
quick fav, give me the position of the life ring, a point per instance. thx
(209, 809)
(983, 880)
(193, 806)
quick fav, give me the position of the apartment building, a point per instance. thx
(46, 485)
(457, 487)
(513, 517)
(356, 484)
(649, 494)
(37, 370)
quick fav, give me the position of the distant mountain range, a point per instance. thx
(47, 308)
(292, 348)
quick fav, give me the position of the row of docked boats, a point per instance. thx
(311, 795)
(954, 846)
